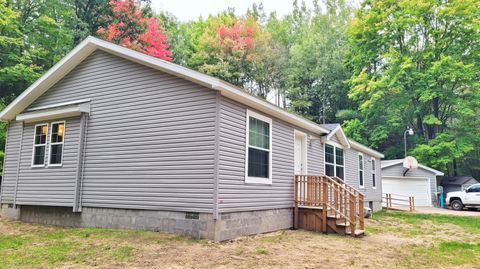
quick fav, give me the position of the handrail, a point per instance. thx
(333, 195)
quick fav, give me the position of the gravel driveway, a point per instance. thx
(443, 211)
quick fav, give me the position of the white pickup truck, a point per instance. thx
(469, 198)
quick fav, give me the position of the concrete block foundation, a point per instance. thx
(195, 225)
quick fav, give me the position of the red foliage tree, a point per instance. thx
(130, 28)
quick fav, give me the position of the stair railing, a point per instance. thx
(334, 197)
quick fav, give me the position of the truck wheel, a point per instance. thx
(457, 205)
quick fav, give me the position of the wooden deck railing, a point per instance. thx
(398, 202)
(335, 198)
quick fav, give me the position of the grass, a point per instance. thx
(470, 223)
(402, 240)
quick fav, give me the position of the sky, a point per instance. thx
(187, 10)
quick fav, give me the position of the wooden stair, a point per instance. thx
(328, 205)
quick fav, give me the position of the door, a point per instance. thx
(300, 153)
(404, 187)
(472, 196)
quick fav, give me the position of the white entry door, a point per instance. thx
(300, 153)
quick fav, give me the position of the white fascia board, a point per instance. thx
(342, 137)
(53, 75)
(225, 89)
(365, 149)
(436, 172)
(268, 108)
(54, 113)
(391, 164)
(90, 44)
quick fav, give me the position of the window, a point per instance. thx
(374, 174)
(474, 188)
(334, 161)
(259, 153)
(56, 143)
(360, 170)
(39, 144)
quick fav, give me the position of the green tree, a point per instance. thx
(416, 63)
(316, 71)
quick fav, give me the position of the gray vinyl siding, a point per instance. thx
(52, 185)
(234, 194)
(150, 136)
(398, 169)
(315, 157)
(12, 147)
(352, 173)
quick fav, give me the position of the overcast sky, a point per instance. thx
(186, 10)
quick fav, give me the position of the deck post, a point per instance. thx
(324, 205)
(295, 195)
(361, 211)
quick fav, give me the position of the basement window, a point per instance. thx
(192, 215)
(39, 145)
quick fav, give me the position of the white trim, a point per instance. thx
(304, 148)
(90, 44)
(400, 161)
(258, 180)
(60, 104)
(374, 172)
(355, 145)
(56, 143)
(37, 145)
(334, 145)
(342, 137)
(54, 113)
(361, 186)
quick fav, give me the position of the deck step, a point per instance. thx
(358, 233)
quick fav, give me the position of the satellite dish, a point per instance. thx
(410, 162)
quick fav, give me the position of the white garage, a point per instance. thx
(404, 187)
(401, 182)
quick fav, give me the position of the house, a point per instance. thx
(110, 137)
(421, 183)
(457, 183)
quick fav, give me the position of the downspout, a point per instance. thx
(216, 156)
(80, 163)
(18, 167)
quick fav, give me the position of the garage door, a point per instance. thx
(416, 187)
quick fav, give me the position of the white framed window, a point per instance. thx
(258, 156)
(39, 144)
(374, 174)
(361, 168)
(334, 160)
(57, 138)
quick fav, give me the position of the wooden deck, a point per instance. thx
(329, 205)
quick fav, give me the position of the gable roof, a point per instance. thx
(90, 44)
(458, 180)
(389, 163)
(336, 129)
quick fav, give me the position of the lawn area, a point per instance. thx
(393, 240)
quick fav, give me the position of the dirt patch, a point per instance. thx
(389, 241)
